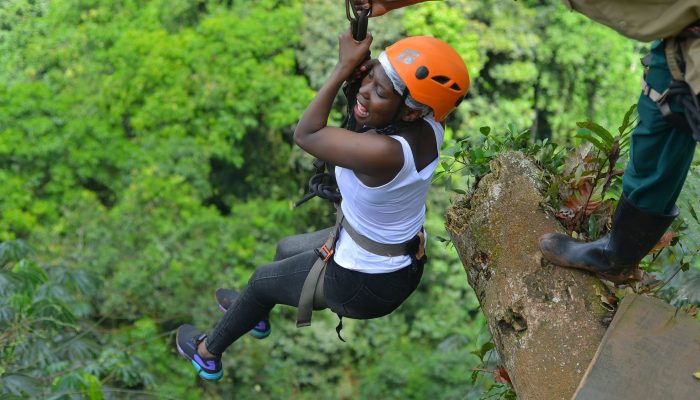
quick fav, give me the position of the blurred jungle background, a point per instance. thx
(146, 159)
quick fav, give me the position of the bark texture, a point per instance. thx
(546, 321)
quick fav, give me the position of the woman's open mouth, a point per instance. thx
(360, 111)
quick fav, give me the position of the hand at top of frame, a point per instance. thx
(381, 7)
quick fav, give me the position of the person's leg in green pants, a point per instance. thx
(660, 158)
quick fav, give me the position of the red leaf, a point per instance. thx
(500, 375)
(665, 241)
(578, 200)
(592, 206)
(692, 310)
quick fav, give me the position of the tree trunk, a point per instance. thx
(546, 321)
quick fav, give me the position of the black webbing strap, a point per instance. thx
(688, 121)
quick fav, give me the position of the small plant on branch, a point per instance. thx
(591, 181)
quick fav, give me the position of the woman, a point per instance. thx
(383, 174)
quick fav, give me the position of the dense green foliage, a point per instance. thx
(146, 159)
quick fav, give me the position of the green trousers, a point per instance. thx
(660, 155)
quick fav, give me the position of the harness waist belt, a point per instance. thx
(380, 249)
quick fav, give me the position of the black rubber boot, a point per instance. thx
(616, 255)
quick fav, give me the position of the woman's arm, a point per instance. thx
(367, 153)
(315, 117)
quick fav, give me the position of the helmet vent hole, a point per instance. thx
(422, 72)
(455, 87)
(441, 79)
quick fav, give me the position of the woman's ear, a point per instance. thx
(410, 114)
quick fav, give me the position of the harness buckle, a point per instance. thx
(324, 253)
(656, 97)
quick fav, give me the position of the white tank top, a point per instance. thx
(391, 213)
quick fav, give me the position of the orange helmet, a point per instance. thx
(433, 72)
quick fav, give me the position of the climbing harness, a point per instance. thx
(312, 296)
(322, 182)
(678, 90)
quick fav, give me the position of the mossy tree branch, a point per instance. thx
(546, 321)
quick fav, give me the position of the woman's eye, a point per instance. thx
(379, 93)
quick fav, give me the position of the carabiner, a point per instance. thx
(358, 22)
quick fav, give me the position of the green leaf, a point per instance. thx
(691, 209)
(21, 385)
(601, 132)
(624, 143)
(8, 282)
(626, 120)
(485, 130)
(593, 227)
(587, 136)
(475, 375)
(13, 250)
(476, 155)
(485, 348)
(94, 390)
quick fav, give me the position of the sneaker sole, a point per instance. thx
(202, 373)
(259, 334)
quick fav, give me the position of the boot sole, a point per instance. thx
(619, 279)
(629, 274)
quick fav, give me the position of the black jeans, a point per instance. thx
(348, 293)
(360, 295)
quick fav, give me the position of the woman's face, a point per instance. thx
(377, 102)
